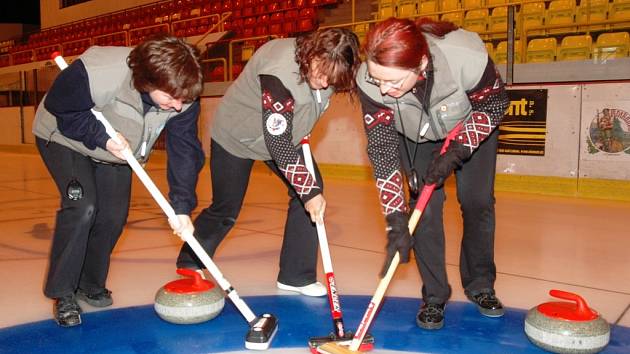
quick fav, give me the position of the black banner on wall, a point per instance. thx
(524, 126)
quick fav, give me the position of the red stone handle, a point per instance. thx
(582, 307)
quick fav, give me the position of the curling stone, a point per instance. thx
(567, 327)
(189, 300)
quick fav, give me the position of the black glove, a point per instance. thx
(398, 239)
(443, 165)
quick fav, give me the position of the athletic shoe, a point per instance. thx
(314, 289)
(487, 303)
(66, 311)
(102, 298)
(430, 316)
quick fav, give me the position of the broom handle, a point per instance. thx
(170, 212)
(421, 204)
(333, 296)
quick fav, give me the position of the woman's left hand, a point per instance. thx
(316, 207)
(183, 225)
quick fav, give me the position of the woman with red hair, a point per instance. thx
(419, 81)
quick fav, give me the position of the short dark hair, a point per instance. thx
(338, 50)
(167, 64)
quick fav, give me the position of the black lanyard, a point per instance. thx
(412, 175)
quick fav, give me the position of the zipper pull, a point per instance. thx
(143, 149)
(424, 129)
(319, 96)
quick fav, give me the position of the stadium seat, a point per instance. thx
(289, 27)
(561, 12)
(286, 4)
(490, 49)
(495, 2)
(619, 10)
(533, 14)
(611, 46)
(500, 52)
(472, 4)
(498, 22)
(427, 7)
(575, 48)
(456, 17)
(476, 20)
(450, 5)
(591, 11)
(291, 15)
(407, 8)
(541, 50)
(5, 60)
(305, 24)
(361, 31)
(386, 9)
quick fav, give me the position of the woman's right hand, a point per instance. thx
(117, 149)
(316, 207)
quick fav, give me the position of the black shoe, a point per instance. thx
(67, 312)
(487, 303)
(431, 316)
(102, 298)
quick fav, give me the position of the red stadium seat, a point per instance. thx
(276, 17)
(261, 30)
(306, 24)
(289, 27)
(291, 14)
(286, 4)
(276, 29)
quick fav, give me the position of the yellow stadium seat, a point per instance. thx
(500, 53)
(427, 7)
(456, 17)
(533, 14)
(476, 20)
(561, 12)
(490, 49)
(619, 10)
(611, 45)
(591, 11)
(575, 48)
(495, 2)
(541, 50)
(407, 8)
(450, 5)
(386, 9)
(472, 4)
(498, 22)
(361, 31)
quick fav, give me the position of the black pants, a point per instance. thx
(475, 193)
(87, 229)
(230, 177)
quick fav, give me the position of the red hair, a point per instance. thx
(400, 43)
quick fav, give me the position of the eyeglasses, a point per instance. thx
(389, 84)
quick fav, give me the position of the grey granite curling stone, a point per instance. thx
(189, 300)
(567, 327)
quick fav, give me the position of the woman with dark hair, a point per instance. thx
(419, 81)
(275, 102)
(141, 91)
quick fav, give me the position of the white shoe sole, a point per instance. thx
(316, 289)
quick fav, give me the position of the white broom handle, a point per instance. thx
(170, 212)
(321, 229)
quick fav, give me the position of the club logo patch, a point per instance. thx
(276, 124)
